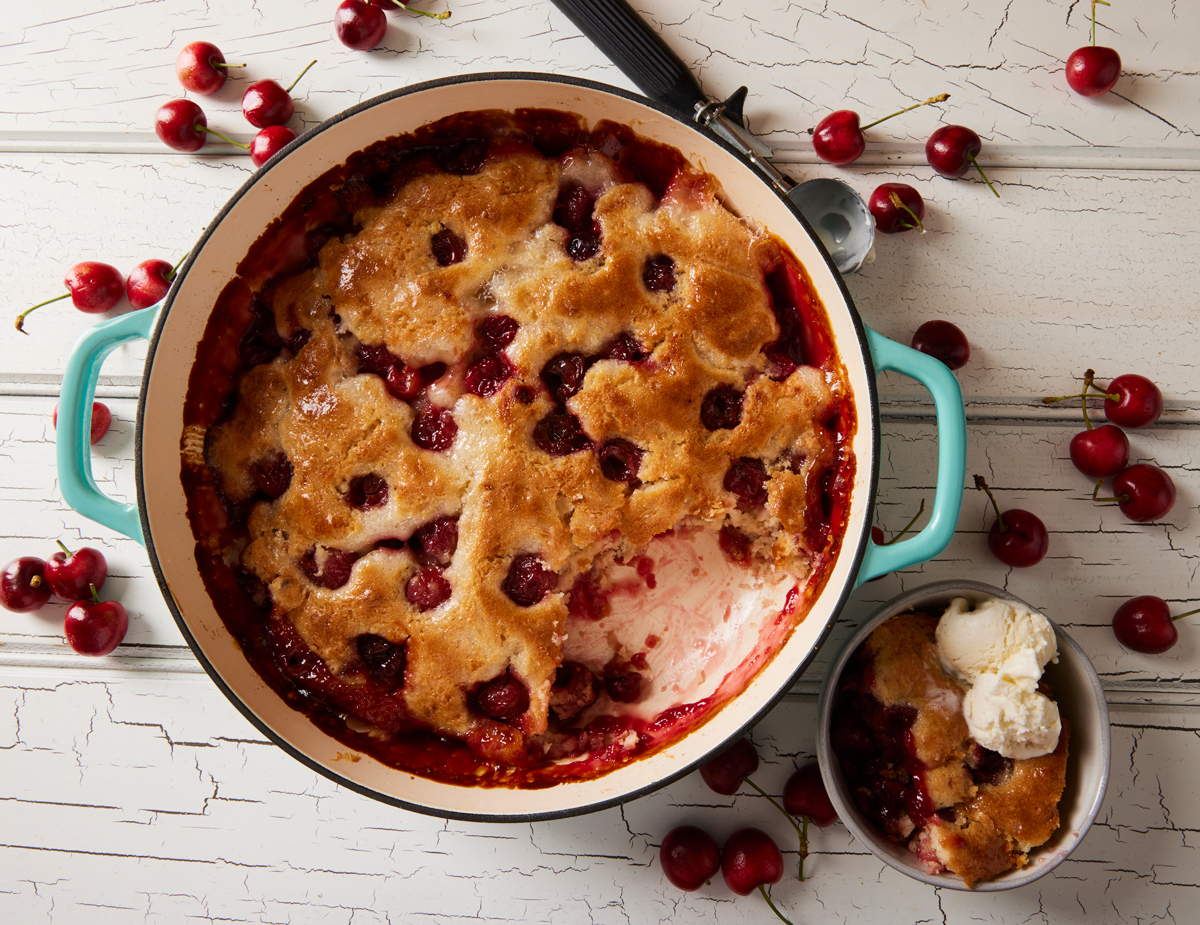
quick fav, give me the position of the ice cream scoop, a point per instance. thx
(973, 639)
(1009, 716)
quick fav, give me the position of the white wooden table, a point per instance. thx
(131, 791)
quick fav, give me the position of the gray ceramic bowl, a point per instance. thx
(1080, 699)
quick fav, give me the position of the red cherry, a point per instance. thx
(359, 25)
(943, 341)
(95, 627)
(70, 574)
(1100, 452)
(503, 698)
(1143, 492)
(148, 283)
(95, 287)
(266, 103)
(1093, 70)
(181, 124)
(805, 795)
(1145, 624)
(751, 859)
(1133, 401)
(201, 68)
(725, 773)
(689, 857)
(101, 421)
(952, 149)
(1017, 538)
(528, 580)
(23, 587)
(838, 138)
(897, 207)
(269, 142)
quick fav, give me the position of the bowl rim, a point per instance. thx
(831, 772)
(852, 551)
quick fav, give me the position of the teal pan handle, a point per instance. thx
(952, 458)
(74, 443)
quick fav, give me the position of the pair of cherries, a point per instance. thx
(201, 68)
(92, 626)
(751, 859)
(96, 287)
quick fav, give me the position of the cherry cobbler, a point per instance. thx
(456, 390)
(916, 774)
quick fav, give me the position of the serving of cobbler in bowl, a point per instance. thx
(526, 447)
(964, 738)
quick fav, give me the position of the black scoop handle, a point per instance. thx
(637, 50)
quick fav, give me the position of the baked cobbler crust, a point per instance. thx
(337, 461)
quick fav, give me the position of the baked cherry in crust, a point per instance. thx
(427, 588)
(528, 580)
(504, 698)
(721, 408)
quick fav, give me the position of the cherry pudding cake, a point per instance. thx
(917, 775)
(462, 382)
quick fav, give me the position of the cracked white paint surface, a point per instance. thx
(131, 791)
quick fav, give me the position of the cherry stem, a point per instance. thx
(940, 98)
(294, 82)
(224, 138)
(63, 547)
(975, 163)
(95, 596)
(801, 832)
(1094, 2)
(908, 526)
(1095, 491)
(1173, 619)
(405, 6)
(21, 317)
(762, 888)
(898, 203)
(981, 485)
(175, 269)
(224, 65)
(1088, 383)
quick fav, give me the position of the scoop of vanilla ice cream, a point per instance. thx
(973, 639)
(1009, 716)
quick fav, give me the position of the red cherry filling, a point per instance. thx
(528, 580)
(721, 408)
(586, 600)
(385, 660)
(434, 428)
(574, 211)
(503, 698)
(803, 340)
(486, 375)
(465, 157)
(747, 479)
(563, 375)
(367, 491)
(624, 348)
(331, 570)
(735, 545)
(377, 359)
(404, 382)
(434, 543)
(659, 274)
(448, 248)
(987, 766)
(497, 332)
(623, 684)
(272, 475)
(560, 434)
(573, 692)
(427, 588)
(620, 461)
